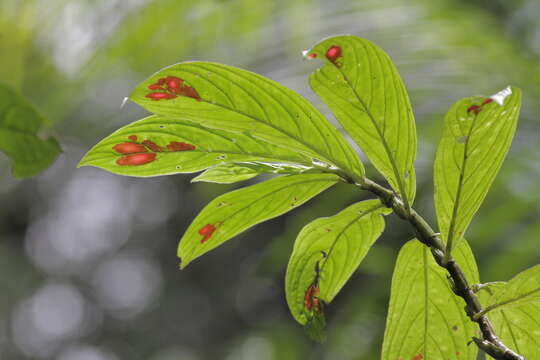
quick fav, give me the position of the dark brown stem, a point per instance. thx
(490, 343)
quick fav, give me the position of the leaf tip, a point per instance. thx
(315, 327)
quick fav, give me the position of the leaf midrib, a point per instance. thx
(382, 138)
(327, 156)
(286, 185)
(455, 209)
(345, 228)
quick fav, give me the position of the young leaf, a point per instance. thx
(514, 310)
(477, 134)
(363, 89)
(234, 172)
(234, 212)
(327, 252)
(160, 145)
(19, 140)
(425, 318)
(227, 98)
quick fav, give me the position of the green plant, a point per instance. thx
(235, 125)
(19, 139)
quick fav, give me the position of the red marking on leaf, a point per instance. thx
(487, 101)
(474, 108)
(188, 91)
(153, 146)
(132, 137)
(312, 56)
(172, 87)
(155, 87)
(458, 353)
(180, 146)
(174, 84)
(207, 231)
(418, 357)
(333, 53)
(311, 299)
(160, 96)
(129, 148)
(136, 159)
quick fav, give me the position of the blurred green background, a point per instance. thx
(88, 267)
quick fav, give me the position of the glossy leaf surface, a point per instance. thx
(328, 251)
(227, 98)
(477, 134)
(362, 87)
(20, 124)
(179, 146)
(231, 213)
(426, 320)
(234, 172)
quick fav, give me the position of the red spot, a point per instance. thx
(474, 108)
(418, 357)
(160, 95)
(188, 91)
(158, 84)
(132, 137)
(311, 299)
(129, 148)
(312, 56)
(155, 87)
(171, 87)
(174, 84)
(458, 353)
(333, 53)
(487, 101)
(206, 231)
(136, 159)
(153, 146)
(180, 146)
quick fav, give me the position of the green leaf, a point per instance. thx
(524, 288)
(514, 310)
(167, 145)
(234, 212)
(227, 98)
(426, 320)
(226, 174)
(327, 252)
(474, 144)
(363, 89)
(234, 172)
(19, 139)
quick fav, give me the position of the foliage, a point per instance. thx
(236, 124)
(19, 139)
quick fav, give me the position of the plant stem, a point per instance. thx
(490, 343)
